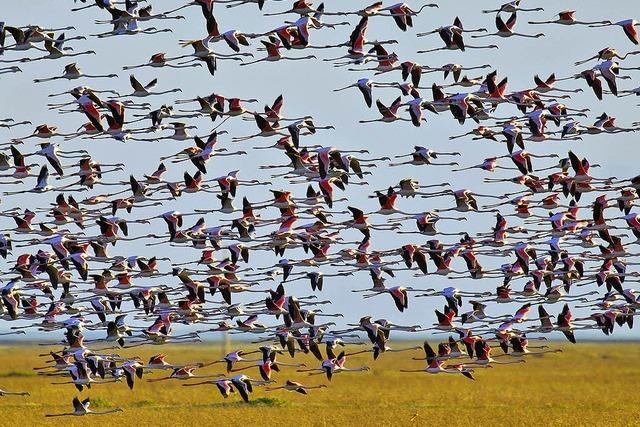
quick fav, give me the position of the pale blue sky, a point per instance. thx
(307, 89)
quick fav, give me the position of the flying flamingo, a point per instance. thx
(436, 366)
(513, 7)
(266, 129)
(356, 44)
(399, 294)
(23, 39)
(12, 69)
(606, 54)
(273, 47)
(567, 17)
(332, 366)
(14, 393)
(236, 3)
(452, 36)
(389, 114)
(206, 7)
(506, 29)
(56, 50)
(160, 60)
(403, 15)
(126, 24)
(81, 408)
(424, 156)
(300, 7)
(628, 26)
(72, 72)
(141, 91)
(295, 386)
(457, 27)
(97, 3)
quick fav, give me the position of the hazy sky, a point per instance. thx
(307, 89)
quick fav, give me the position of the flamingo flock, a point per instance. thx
(97, 256)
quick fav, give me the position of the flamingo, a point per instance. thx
(141, 91)
(506, 29)
(160, 60)
(356, 44)
(202, 52)
(365, 86)
(7, 70)
(273, 53)
(453, 39)
(436, 366)
(389, 114)
(628, 26)
(403, 15)
(206, 7)
(97, 3)
(399, 294)
(72, 72)
(236, 3)
(295, 386)
(300, 7)
(14, 393)
(23, 39)
(606, 54)
(266, 129)
(424, 156)
(513, 7)
(81, 408)
(56, 50)
(456, 29)
(567, 17)
(126, 24)
(366, 12)
(332, 366)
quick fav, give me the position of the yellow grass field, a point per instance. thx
(587, 384)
